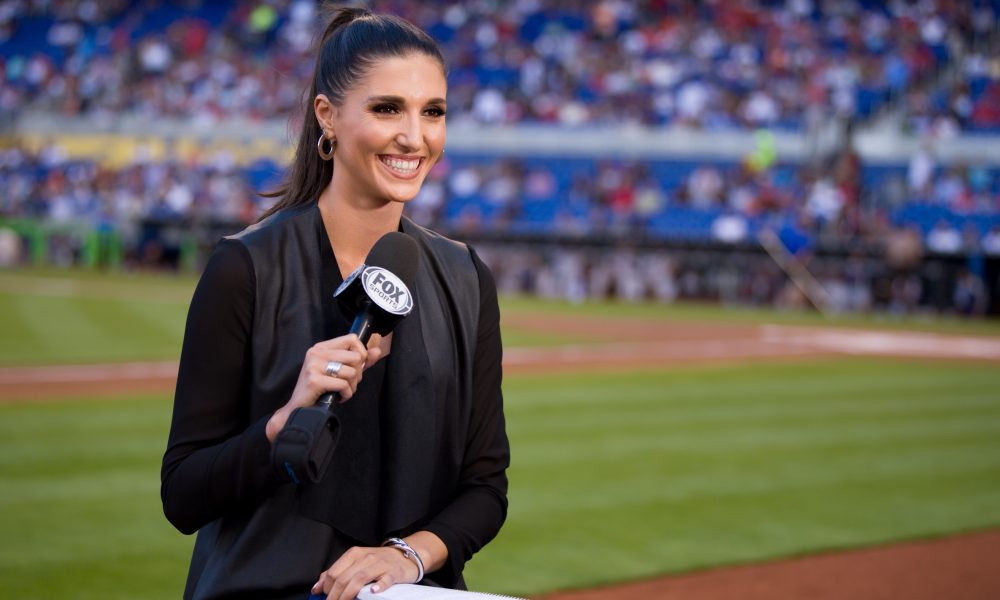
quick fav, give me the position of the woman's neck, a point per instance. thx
(354, 230)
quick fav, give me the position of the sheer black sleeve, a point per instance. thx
(479, 509)
(216, 459)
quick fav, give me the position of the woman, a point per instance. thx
(421, 460)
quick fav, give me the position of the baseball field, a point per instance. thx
(701, 452)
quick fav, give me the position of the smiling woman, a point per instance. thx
(388, 130)
(417, 481)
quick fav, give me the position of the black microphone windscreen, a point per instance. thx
(397, 253)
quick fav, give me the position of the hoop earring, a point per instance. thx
(323, 153)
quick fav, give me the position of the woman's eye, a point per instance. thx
(435, 111)
(385, 109)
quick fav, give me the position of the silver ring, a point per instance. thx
(333, 367)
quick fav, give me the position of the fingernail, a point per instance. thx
(374, 588)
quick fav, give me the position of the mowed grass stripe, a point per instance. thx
(18, 336)
(856, 395)
(755, 478)
(139, 572)
(81, 283)
(88, 330)
(56, 326)
(683, 417)
(137, 327)
(37, 438)
(870, 380)
(863, 430)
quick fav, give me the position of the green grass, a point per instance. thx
(79, 506)
(621, 477)
(87, 318)
(614, 477)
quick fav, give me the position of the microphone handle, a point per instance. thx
(362, 326)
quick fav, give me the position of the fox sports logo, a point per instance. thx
(387, 290)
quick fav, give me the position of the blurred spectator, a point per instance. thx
(730, 228)
(970, 296)
(10, 248)
(705, 187)
(904, 249)
(944, 238)
(991, 242)
(921, 171)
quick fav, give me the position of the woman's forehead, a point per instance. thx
(413, 76)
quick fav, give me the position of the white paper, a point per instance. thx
(407, 591)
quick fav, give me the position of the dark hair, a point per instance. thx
(353, 41)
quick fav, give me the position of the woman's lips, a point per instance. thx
(401, 166)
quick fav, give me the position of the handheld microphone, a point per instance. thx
(378, 293)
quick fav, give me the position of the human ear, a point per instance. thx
(324, 111)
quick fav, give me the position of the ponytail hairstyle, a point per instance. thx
(354, 40)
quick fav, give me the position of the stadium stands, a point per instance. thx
(715, 65)
(930, 70)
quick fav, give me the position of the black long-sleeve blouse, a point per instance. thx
(217, 475)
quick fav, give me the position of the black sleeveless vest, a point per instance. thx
(401, 446)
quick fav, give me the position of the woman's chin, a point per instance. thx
(401, 193)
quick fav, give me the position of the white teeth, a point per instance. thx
(401, 165)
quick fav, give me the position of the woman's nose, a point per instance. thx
(410, 134)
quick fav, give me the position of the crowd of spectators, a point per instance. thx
(839, 202)
(712, 64)
(835, 204)
(130, 202)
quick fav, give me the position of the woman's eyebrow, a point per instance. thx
(401, 100)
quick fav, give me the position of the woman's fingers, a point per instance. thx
(352, 587)
(344, 342)
(321, 356)
(348, 563)
(347, 576)
(335, 370)
(360, 566)
(373, 355)
(332, 365)
(383, 583)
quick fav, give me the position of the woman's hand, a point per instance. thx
(313, 381)
(358, 567)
